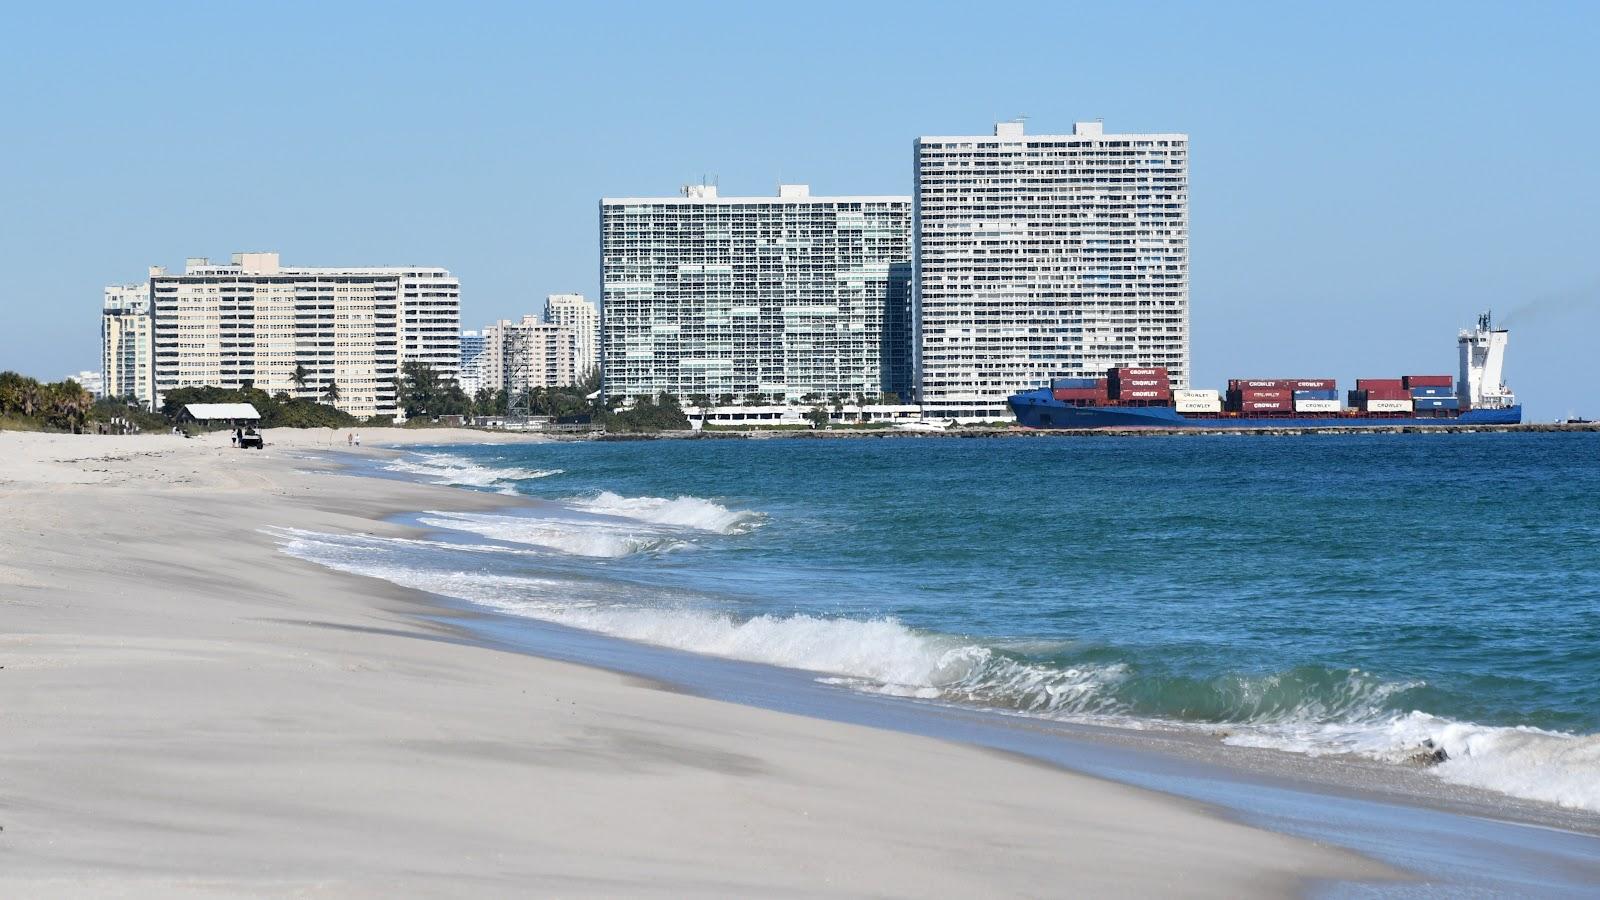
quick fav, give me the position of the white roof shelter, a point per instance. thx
(221, 412)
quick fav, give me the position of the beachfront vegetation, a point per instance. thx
(647, 414)
(277, 410)
(29, 404)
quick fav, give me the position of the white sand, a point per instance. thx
(182, 708)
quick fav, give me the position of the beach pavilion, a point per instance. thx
(220, 414)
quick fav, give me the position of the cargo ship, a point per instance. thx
(1143, 397)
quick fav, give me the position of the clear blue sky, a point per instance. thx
(1365, 178)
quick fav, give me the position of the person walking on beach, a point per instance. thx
(349, 439)
(358, 439)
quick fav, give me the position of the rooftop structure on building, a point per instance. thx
(783, 297)
(1042, 256)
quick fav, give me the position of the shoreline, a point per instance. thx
(849, 433)
(368, 617)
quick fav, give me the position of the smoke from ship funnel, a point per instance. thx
(1552, 305)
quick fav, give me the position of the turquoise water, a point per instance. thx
(1377, 595)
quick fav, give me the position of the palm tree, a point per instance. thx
(331, 393)
(299, 377)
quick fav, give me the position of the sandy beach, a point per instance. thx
(185, 709)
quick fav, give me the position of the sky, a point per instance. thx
(1365, 178)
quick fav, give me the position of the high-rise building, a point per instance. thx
(786, 297)
(303, 331)
(126, 354)
(528, 354)
(1047, 255)
(573, 311)
(469, 373)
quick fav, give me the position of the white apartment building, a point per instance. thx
(126, 353)
(1040, 256)
(254, 322)
(93, 382)
(469, 373)
(577, 313)
(528, 354)
(780, 296)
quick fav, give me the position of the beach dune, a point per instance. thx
(185, 709)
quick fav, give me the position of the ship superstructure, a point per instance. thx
(1143, 397)
(1483, 354)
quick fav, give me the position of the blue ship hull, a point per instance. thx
(1038, 409)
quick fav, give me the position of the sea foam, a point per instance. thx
(591, 537)
(1309, 710)
(1550, 766)
(689, 512)
(445, 468)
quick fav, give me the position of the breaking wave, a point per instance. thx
(1307, 709)
(591, 537)
(689, 512)
(1549, 766)
(444, 468)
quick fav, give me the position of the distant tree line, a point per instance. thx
(58, 405)
(277, 410)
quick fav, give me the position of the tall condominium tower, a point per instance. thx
(126, 355)
(469, 372)
(528, 354)
(785, 296)
(573, 311)
(254, 322)
(1047, 255)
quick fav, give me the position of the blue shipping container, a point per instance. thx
(1437, 403)
(1074, 383)
(1329, 394)
(1433, 392)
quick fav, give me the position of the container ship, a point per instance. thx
(1143, 397)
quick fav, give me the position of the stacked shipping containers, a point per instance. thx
(1146, 386)
(1282, 395)
(1381, 395)
(1197, 401)
(1432, 393)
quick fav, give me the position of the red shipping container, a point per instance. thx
(1265, 406)
(1131, 372)
(1239, 384)
(1366, 384)
(1143, 382)
(1145, 394)
(1265, 394)
(1387, 394)
(1412, 381)
(1312, 384)
(1079, 393)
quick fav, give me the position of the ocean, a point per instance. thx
(1413, 599)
